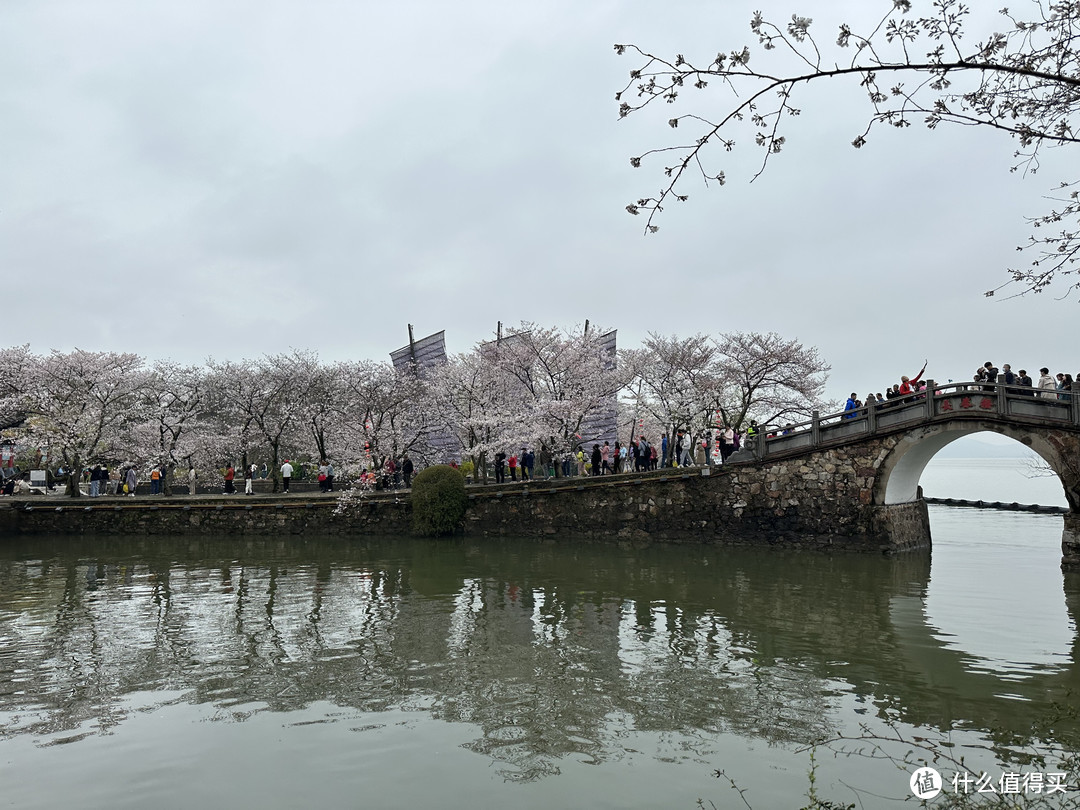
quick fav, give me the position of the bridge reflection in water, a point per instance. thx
(539, 646)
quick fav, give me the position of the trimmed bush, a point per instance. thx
(438, 501)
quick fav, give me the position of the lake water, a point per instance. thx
(401, 674)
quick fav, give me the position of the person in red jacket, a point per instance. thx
(906, 384)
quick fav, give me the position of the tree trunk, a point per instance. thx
(73, 478)
(480, 468)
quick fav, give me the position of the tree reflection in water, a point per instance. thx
(552, 651)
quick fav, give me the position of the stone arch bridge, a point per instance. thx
(878, 454)
(843, 481)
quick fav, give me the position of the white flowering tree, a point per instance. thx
(258, 405)
(166, 431)
(768, 378)
(14, 381)
(1022, 80)
(386, 413)
(321, 391)
(677, 381)
(79, 404)
(471, 394)
(561, 382)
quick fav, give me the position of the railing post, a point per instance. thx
(1002, 399)
(871, 417)
(929, 400)
(815, 429)
(1075, 408)
(759, 443)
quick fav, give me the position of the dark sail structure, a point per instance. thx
(420, 357)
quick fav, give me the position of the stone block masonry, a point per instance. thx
(220, 517)
(786, 505)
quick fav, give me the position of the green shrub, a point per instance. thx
(438, 501)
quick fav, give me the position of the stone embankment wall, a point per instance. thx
(220, 516)
(823, 501)
(820, 501)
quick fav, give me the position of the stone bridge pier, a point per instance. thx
(1070, 540)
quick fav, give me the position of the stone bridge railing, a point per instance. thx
(1022, 407)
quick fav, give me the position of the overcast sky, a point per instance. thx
(229, 179)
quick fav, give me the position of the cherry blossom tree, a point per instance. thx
(166, 433)
(560, 381)
(258, 403)
(768, 378)
(677, 381)
(472, 396)
(79, 403)
(387, 413)
(696, 382)
(320, 390)
(14, 381)
(1023, 81)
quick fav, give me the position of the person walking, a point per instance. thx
(230, 474)
(192, 477)
(685, 457)
(286, 475)
(130, 481)
(407, 471)
(249, 475)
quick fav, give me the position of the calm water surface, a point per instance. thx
(403, 674)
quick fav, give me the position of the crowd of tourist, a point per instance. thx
(987, 377)
(639, 454)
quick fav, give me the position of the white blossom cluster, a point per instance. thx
(537, 387)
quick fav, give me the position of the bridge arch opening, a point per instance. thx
(981, 554)
(902, 470)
